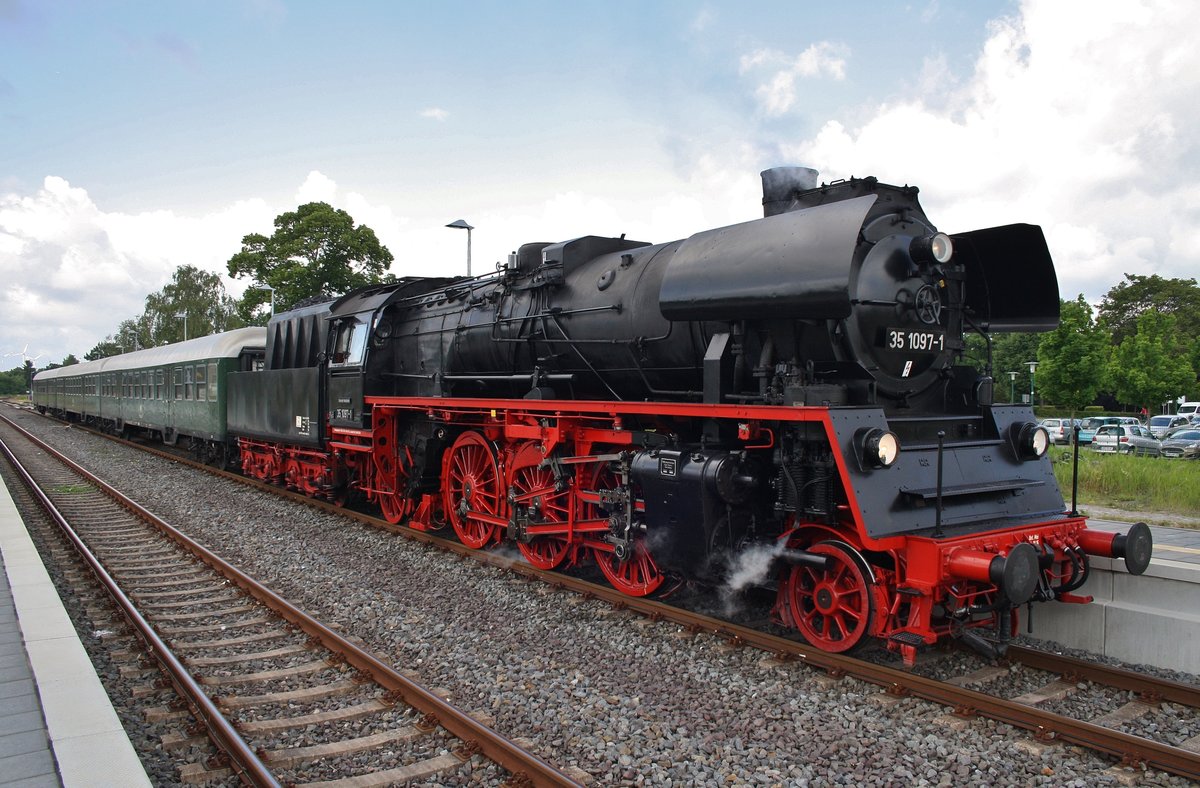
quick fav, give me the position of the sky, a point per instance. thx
(136, 137)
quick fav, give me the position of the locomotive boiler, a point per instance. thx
(791, 388)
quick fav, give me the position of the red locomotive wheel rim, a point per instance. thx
(471, 485)
(636, 576)
(548, 506)
(833, 608)
(394, 506)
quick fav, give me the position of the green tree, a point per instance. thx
(13, 381)
(1011, 353)
(1073, 359)
(200, 296)
(1137, 295)
(132, 334)
(315, 250)
(103, 349)
(69, 360)
(1151, 366)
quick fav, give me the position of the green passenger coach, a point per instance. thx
(170, 392)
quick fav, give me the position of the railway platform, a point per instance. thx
(1152, 619)
(57, 726)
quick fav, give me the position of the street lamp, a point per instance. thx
(461, 224)
(1012, 386)
(184, 316)
(1032, 366)
(258, 286)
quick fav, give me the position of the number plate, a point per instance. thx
(912, 340)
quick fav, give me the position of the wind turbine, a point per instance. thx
(24, 354)
(27, 359)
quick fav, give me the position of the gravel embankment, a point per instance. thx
(627, 702)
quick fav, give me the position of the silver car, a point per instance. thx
(1182, 443)
(1060, 429)
(1161, 425)
(1125, 439)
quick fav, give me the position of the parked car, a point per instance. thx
(1059, 429)
(1188, 409)
(1087, 429)
(1125, 439)
(1182, 443)
(1161, 425)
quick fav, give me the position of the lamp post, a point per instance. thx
(461, 224)
(184, 316)
(1012, 386)
(1032, 366)
(259, 286)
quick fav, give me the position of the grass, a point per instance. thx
(1136, 483)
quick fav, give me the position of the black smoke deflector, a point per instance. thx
(1010, 279)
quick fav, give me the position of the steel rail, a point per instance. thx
(965, 702)
(525, 766)
(1150, 687)
(242, 757)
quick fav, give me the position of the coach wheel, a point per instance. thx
(833, 608)
(471, 489)
(534, 489)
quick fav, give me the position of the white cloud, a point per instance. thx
(71, 271)
(435, 113)
(1077, 118)
(317, 187)
(776, 91)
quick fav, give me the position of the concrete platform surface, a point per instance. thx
(57, 726)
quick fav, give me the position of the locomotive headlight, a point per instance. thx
(878, 448)
(936, 248)
(1030, 440)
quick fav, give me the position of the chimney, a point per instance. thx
(781, 184)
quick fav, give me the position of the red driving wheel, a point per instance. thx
(471, 489)
(833, 608)
(534, 489)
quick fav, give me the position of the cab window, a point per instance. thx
(349, 344)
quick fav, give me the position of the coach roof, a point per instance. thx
(225, 345)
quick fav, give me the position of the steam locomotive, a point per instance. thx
(792, 387)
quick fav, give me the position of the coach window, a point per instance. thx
(212, 382)
(349, 345)
(160, 384)
(189, 383)
(201, 383)
(177, 375)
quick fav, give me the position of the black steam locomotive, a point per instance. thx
(791, 387)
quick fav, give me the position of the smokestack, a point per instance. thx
(780, 185)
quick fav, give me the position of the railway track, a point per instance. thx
(284, 698)
(969, 688)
